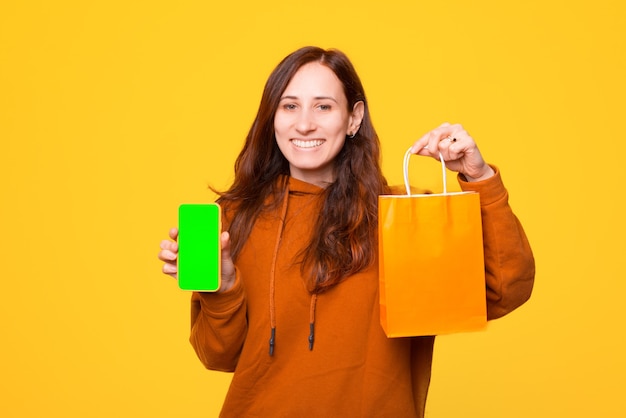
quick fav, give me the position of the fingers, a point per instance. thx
(429, 143)
(169, 254)
(169, 250)
(453, 145)
(170, 269)
(459, 151)
(450, 140)
(421, 146)
(457, 148)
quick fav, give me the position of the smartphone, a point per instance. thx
(199, 248)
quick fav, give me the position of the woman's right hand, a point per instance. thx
(169, 255)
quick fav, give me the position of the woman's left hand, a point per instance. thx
(458, 149)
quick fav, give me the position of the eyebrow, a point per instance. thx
(315, 98)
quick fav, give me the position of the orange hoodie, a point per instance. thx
(352, 369)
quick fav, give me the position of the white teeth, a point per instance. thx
(307, 144)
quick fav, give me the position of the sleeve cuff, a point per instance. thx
(491, 190)
(221, 304)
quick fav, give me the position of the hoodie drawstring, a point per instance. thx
(312, 321)
(281, 226)
(272, 341)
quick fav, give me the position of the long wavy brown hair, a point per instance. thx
(345, 237)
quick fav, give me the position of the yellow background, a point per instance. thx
(112, 113)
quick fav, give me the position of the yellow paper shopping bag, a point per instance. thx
(432, 276)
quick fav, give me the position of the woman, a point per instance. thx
(297, 317)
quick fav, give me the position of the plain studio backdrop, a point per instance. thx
(112, 113)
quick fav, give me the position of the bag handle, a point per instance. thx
(407, 156)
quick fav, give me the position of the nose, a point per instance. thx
(305, 122)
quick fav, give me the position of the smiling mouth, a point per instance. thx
(311, 143)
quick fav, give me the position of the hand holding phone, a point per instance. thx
(199, 247)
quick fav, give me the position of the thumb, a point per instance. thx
(228, 267)
(225, 245)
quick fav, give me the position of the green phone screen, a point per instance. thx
(199, 258)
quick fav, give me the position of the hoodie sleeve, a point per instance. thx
(219, 326)
(509, 262)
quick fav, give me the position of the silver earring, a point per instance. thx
(351, 136)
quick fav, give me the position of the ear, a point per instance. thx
(356, 117)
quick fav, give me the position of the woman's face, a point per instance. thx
(312, 122)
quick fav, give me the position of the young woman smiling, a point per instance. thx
(297, 317)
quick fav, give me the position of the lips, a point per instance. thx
(307, 143)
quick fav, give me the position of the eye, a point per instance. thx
(325, 107)
(289, 106)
